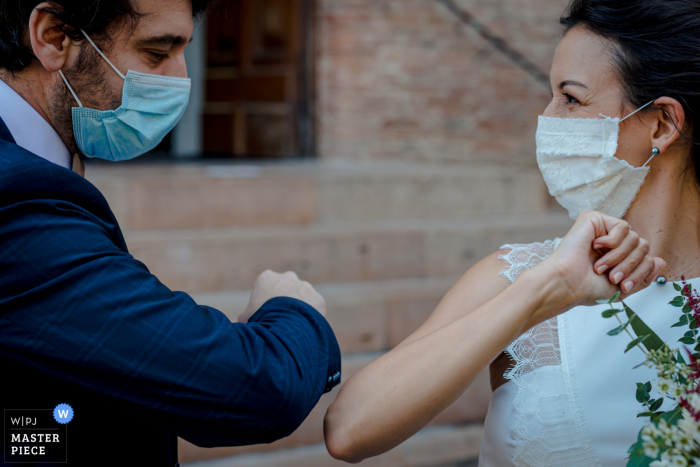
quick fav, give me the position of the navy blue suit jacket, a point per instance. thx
(84, 323)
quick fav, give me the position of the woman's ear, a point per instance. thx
(668, 123)
(49, 43)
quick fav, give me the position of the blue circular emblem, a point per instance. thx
(63, 413)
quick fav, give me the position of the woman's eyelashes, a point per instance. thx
(570, 99)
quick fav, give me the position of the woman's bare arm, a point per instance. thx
(396, 395)
(476, 287)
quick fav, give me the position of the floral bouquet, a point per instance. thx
(672, 437)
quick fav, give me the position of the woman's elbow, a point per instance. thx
(339, 439)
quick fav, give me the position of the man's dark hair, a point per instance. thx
(95, 17)
(657, 51)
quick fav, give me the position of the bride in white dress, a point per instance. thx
(615, 147)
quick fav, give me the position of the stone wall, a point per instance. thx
(406, 80)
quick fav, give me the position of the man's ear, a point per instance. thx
(50, 45)
(668, 123)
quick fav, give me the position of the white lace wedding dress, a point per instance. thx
(570, 399)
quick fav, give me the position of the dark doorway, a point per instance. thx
(259, 79)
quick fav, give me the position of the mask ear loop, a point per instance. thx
(80, 104)
(642, 107)
(103, 55)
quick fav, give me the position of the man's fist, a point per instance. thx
(271, 284)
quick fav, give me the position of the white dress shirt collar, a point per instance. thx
(30, 130)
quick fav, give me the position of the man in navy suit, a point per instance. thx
(81, 321)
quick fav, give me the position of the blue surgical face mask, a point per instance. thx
(151, 107)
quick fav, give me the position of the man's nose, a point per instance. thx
(176, 67)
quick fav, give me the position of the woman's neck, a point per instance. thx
(667, 213)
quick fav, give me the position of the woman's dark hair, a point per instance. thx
(95, 17)
(657, 53)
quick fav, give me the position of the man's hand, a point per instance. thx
(271, 284)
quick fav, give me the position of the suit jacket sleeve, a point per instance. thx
(76, 305)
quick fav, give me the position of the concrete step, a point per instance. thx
(446, 446)
(220, 259)
(470, 407)
(149, 196)
(366, 316)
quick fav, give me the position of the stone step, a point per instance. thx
(365, 316)
(220, 259)
(445, 446)
(150, 196)
(469, 407)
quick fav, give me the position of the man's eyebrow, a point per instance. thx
(572, 83)
(165, 40)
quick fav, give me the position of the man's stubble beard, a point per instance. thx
(88, 80)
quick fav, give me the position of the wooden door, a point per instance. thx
(258, 87)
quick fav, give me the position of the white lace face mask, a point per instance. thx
(577, 159)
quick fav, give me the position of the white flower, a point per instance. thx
(694, 400)
(664, 385)
(651, 449)
(664, 428)
(650, 433)
(660, 463)
(690, 426)
(679, 461)
(677, 392)
(681, 440)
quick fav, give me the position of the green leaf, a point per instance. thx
(687, 340)
(683, 321)
(614, 297)
(634, 343)
(603, 302)
(689, 334)
(640, 328)
(656, 404)
(637, 456)
(686, 308)
(610, 313)
(677, 287)
(647, 386)
(693, 323)
(678, 302)
(672, 417)
(641, 395)
(617, 330)
(679, 358)
(645, 414)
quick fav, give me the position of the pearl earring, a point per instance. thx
(654, 152)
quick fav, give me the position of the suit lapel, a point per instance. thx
(5, 134)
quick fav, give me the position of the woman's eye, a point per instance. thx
(570, 99)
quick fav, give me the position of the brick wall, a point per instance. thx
(406, 80)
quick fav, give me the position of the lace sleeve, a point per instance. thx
(545, 426)
(523, 256)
